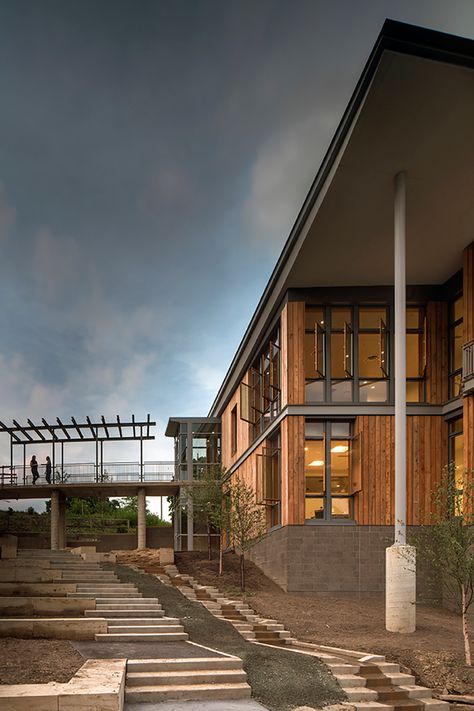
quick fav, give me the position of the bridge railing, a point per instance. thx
(90, 473)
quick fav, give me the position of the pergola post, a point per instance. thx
(62, 521)
(400, 587)
(141, 526)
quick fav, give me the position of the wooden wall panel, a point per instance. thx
(292, 471)
(292, 353)
(437, 352)
(427, 448)
(468, 321)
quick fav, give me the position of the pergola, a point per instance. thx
(64, 433)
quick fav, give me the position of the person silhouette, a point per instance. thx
(47, 471)
(34, 468)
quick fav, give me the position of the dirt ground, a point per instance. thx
(434, 652)
(37, 661)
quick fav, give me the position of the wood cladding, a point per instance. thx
(468, 322)
(292, 471)
(292, 353)
(427, 454)
(243, 432)
(437, 352)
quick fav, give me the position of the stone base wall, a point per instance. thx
(339, 559)
(156, 537)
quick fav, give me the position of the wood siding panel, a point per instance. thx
(292, 353)
(292, 471)
(427, 448)
(437, 352)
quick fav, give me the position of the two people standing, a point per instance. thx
(34, 469)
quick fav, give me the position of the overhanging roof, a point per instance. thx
(88, 431)
(412, 110)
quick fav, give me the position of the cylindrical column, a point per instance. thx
(55, 520)
(400, 359)
(62, 522)
(141, 532)
(400, 580)
(190, 524)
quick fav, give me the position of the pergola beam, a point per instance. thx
(64, 429)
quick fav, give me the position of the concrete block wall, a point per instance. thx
(339, 559)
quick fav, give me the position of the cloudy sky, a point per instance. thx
(153, 156)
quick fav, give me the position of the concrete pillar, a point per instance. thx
(190, 526)
(62, 521)
(55, 520)
(400, 580)
(141, 543)
(400, 599)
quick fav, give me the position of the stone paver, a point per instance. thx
(243, 705)
(141, 650)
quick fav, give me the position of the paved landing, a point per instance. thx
(244, 705)
(141, 650)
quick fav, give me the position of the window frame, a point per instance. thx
(453, 324)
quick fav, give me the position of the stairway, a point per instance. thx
(208, 678)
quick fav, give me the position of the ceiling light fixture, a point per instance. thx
(340, 448)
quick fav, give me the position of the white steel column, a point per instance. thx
(141, 526)
(400, 360)
(55, 520)
(400, 582)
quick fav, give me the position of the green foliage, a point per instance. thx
(448, 543)
(246, 519)
(208, 501)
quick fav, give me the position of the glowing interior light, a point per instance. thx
(317, 463)
(340, 448)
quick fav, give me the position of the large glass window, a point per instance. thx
(456, 339)
(373, 355)
(415, 353)
(260, 396)
(268, 491)
(341, 354)
(330, 462)
(456, 450)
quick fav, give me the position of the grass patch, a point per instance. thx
(280, 680)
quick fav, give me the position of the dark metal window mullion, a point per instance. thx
(327, 471)
(327, 348)
(355, 353)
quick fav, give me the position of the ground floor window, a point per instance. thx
(456, 450)
(331, 459)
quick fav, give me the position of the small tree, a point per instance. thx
(448, 544)
(246, 520)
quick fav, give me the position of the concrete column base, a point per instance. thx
(400, 589)
(62, 522)
(141, 527)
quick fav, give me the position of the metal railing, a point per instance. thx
(90, 473)
(468, 361)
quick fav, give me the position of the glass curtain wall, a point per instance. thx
(456, 339)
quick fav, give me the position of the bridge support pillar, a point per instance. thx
(58, 520)
(141, 528)
(62, 521)
(55, 520)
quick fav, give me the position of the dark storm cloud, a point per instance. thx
(153, 156)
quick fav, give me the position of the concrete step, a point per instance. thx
(135, 614)
(199, 676)
(138, 601)
(147, 621)
(107, 596)
(187, 664)
(125, 628)
(188, 692)
(360, 693)
(371, 706)
(142, 637)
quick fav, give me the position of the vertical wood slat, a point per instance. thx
(426, 457)
(292, 471)
(292, 353)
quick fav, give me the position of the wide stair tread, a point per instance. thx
(187, 663)
(187, 692)
(142, 637)
(198, 676)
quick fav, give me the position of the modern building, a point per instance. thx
(308, 405)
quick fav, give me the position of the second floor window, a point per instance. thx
(455, 346)
(347, 354)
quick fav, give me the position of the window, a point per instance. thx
(260, 396)
(373, 355)
(332, 470)
(456, 450)
(456, 339)
(315, 354)
(415, 353)
(341, 359)
(233, 430)
(269, 480)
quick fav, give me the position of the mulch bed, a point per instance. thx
(280, 680)
(37, 661)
